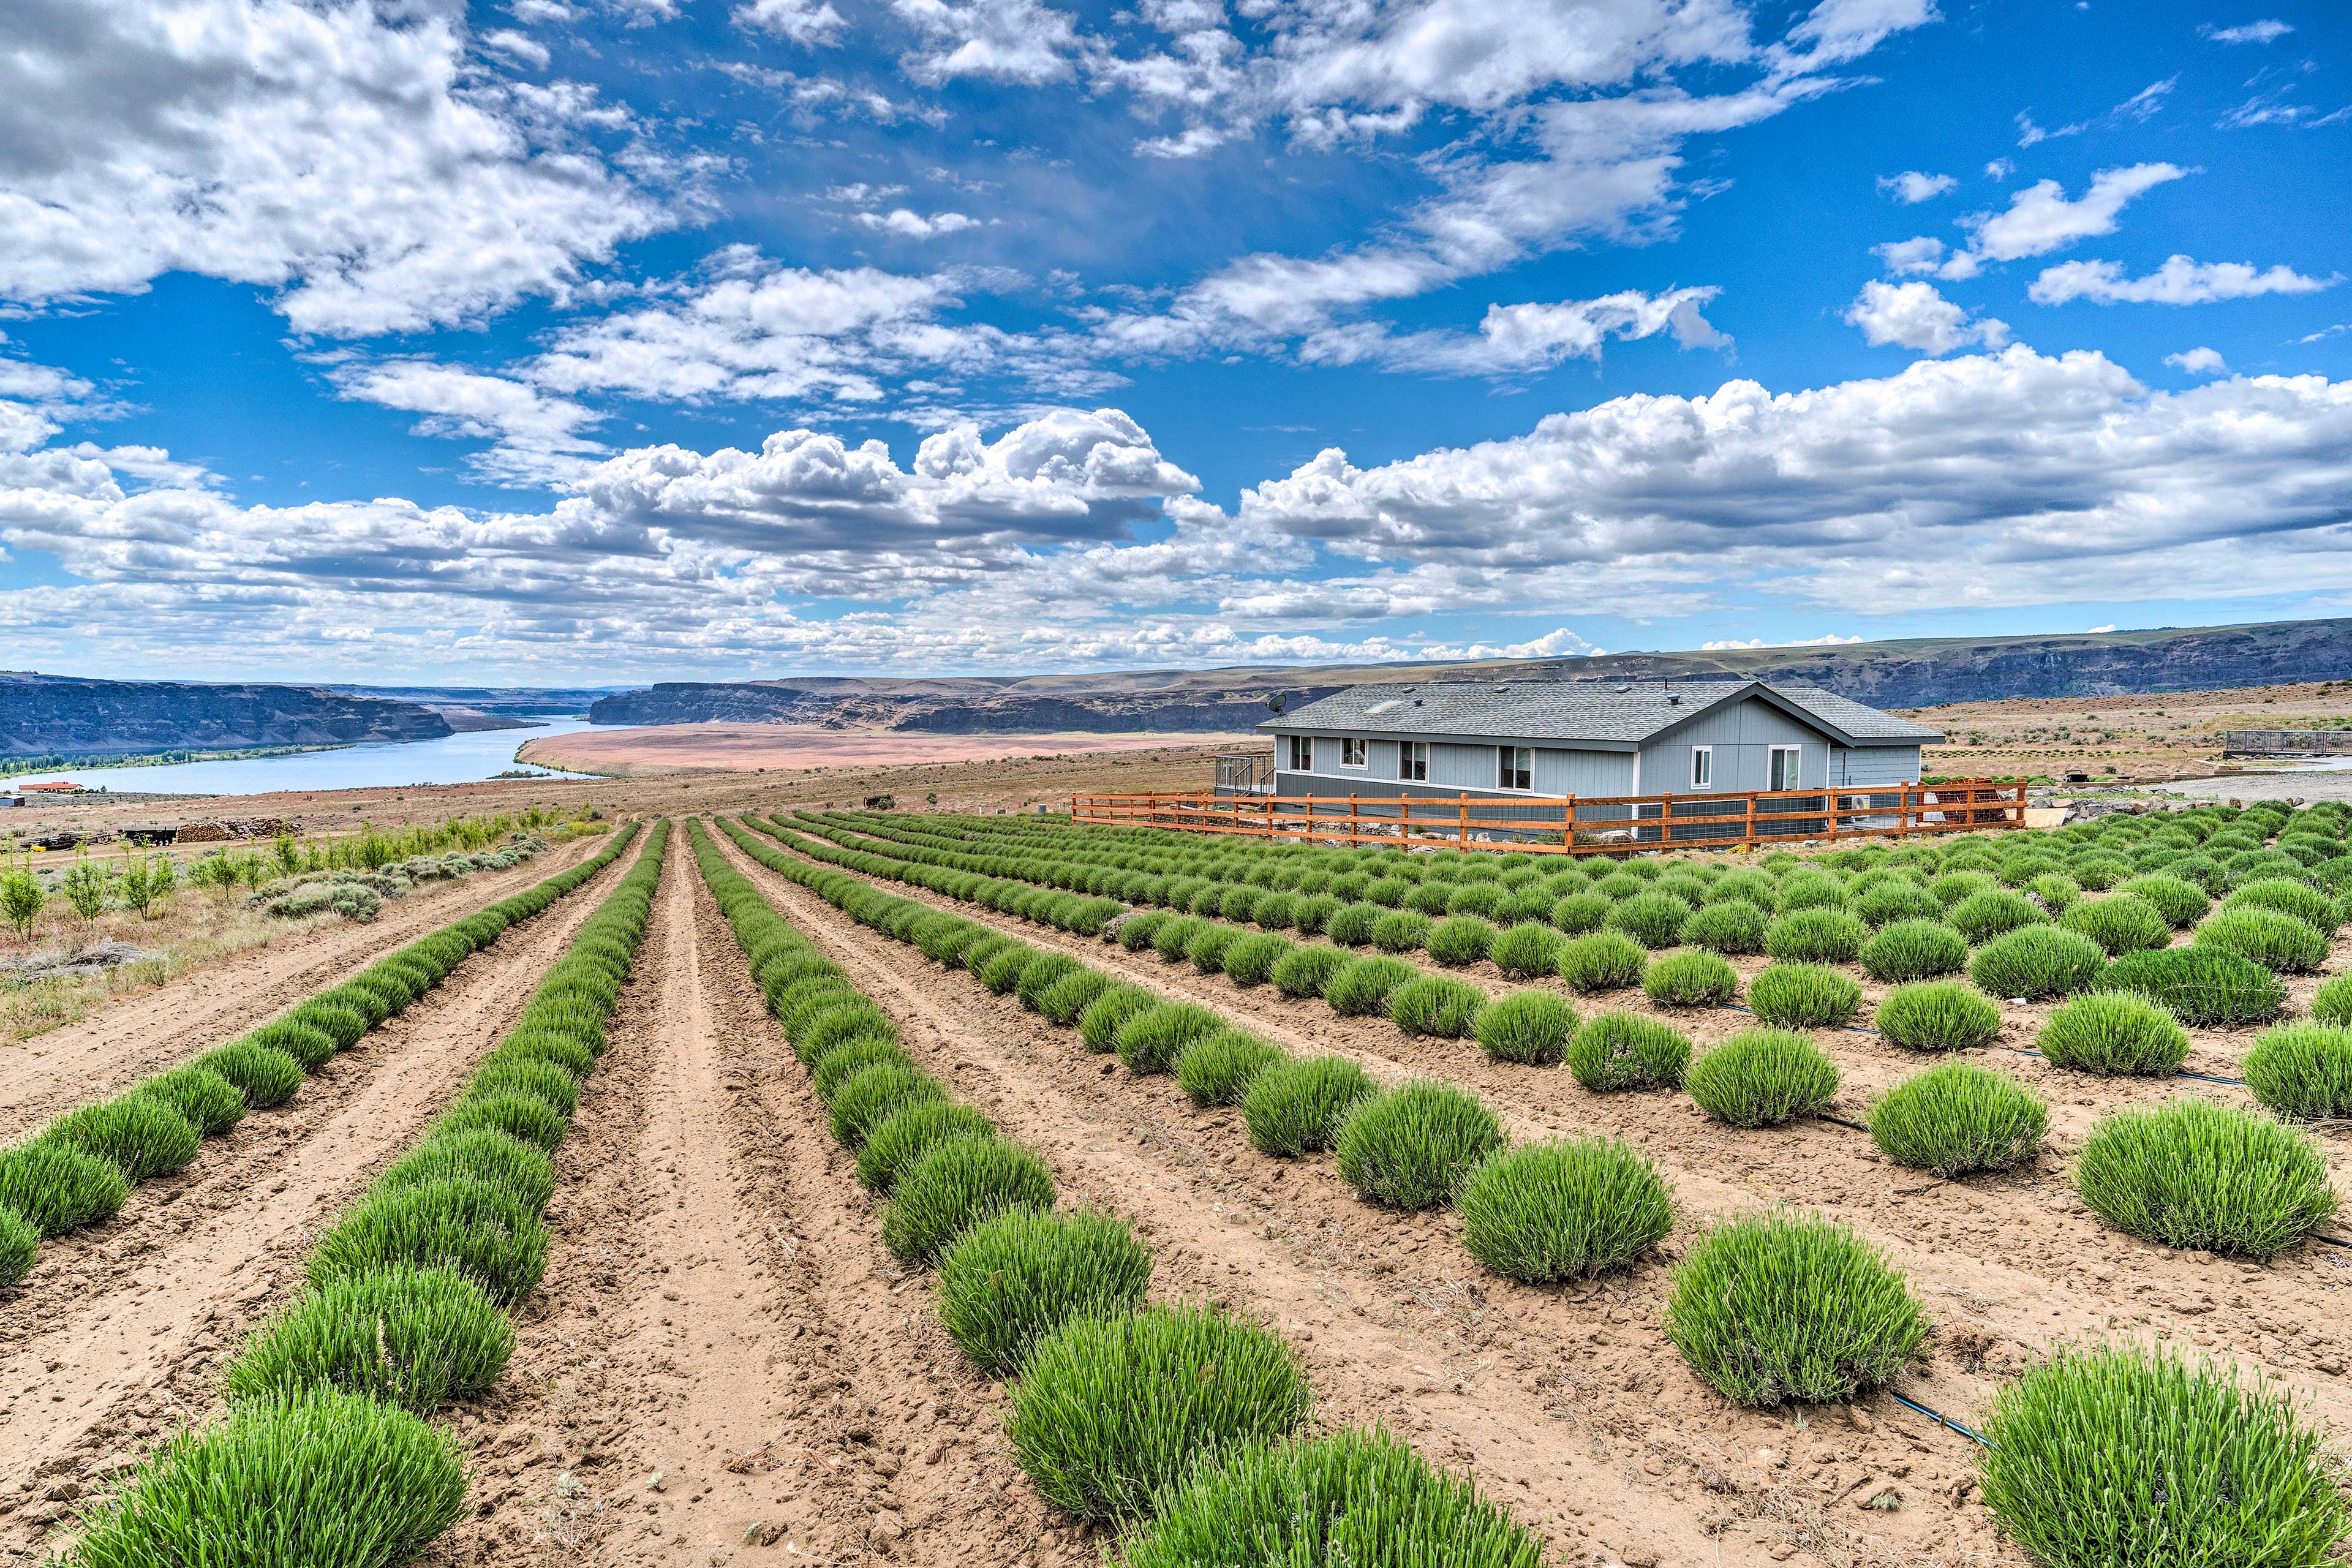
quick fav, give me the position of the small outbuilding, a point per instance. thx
(1554, 738)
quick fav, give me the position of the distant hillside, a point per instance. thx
(501, 702)
(60, 715)
(1914, 672)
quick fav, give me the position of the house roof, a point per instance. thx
(1617, 715)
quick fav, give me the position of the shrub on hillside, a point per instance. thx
(1762, 1078)
(1775, 1307)
(1528, 1027)
(2194, 1175)
(1736, 927)
(1605, 961)
(2278, 941)
(2037, 961)
(954, 1185)
(1412, 1147)
(1527, 951)
(1306, 971)
(1216, 1068)
(1012, 1281)
(1803, 996)
(1295, 1107)
(1957, 1117)
(1938, 1015)
(1109, 1413)
(1690, 980)
(1625, 1051)
(1914, 949)
(2303, 1071)
(2118, 1457)
(1564, 1210)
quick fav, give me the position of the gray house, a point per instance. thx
(1549, 738)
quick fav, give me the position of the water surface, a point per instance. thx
(454, 759)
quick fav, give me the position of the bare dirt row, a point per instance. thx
(723, 1360)
(116, 1046)
(113, 1339)
(2006, 1267)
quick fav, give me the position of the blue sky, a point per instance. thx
(621, 340)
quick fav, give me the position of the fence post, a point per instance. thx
(1750, 841)
(1466, 820)
(1353, 830)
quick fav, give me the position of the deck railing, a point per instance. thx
(1576, 824)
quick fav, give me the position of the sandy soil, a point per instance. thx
(2006, 1267)
(807, 748)
(117, 1334)
(2154, 736)
(140, 1035)
(724, 1359)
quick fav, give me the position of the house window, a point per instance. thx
(1784, 773)
(1514, 767)
(1302, 753)
(1702, 767)
(1355, 753)
(1412, 760)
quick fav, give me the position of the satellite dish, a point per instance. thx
(1278, 701)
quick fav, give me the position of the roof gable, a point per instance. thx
(1613, 715)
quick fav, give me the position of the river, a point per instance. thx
(454, 759)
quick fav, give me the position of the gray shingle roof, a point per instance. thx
(1600, 712)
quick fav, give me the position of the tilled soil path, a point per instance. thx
(116, 1046)
(113, 1337)
(723, 1360)
(2006, 1268)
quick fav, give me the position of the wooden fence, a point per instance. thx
(1576, 824)
(2285, 742)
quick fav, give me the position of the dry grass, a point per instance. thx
(2158, 736)
(192, 930)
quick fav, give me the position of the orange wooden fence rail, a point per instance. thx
(1576, 824)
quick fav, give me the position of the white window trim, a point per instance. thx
(1697, 753)
(1530, 787)
(1348, 766)
(1405, 761)
(1295, 742)
(1797, 768)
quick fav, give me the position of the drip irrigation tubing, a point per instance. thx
(1941, 1420)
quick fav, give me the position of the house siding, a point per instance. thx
(1743, 734)
(1874, 766)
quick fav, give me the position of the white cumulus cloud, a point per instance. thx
(2267, 30)
(341, 154)
(812, 23)
(2179, 281)
(1915, 316)
(1912, 188)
